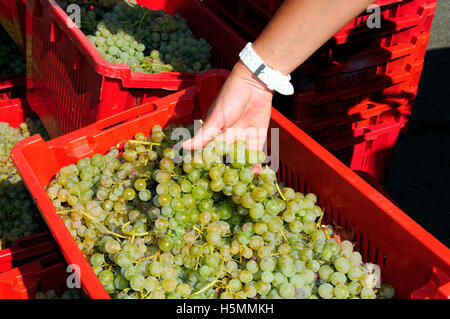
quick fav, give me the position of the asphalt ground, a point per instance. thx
(419, 176)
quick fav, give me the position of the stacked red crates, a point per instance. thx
(362, 81)
(14, 110)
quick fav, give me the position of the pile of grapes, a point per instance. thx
(154, 226)
(11, 61)
(19, 216)
(67, 294)
(149, 41)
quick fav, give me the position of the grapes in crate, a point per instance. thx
(19, 217)
(149, 41)
(67, 294)
(11, 61)
(154, 226)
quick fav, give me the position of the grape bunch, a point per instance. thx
(67, 294)
(19, 216)
(149, 41)
(155, 225)
(11, 61)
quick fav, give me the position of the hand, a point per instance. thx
(241, 111)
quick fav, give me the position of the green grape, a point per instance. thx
(342, 265)
(326, 291)
(367, 293)
(387, 291)
(337, 278)
(354, 288)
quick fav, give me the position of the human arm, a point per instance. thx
(297, 30)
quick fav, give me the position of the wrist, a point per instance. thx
(241, 70)
(273, 79)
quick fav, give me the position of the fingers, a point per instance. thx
(254, 137)
(203, 136)
(215, 122)
(213, 127)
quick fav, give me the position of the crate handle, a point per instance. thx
(120, 118)
(161, 104)
(377, 132)
(364, 134)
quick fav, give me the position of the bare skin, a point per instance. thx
(242, 108)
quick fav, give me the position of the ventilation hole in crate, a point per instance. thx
(393, 11)
(376, 257)
(299, 185)
(286, 176)
(368, 252)
(381, 70)
(369, 145)
(328, 212)
(338, 219)
(360, 242)
(281, 169)
(37, 11)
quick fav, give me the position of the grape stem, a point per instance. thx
(137, 142)
(325, 230)
(139, 23)
(133, 234)
(148, 257)
(212, 282)
(279, 191)
(198, 231)
(319, 222)
(284, 236)
(93, 219)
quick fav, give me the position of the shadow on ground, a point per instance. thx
(419, 176)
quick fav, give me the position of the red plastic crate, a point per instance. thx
(384, 233)
(249, 18)
(41, 275)
(368, 148)
(311, 105)
(71, 85)
(12, 17)
(369, 113)
(26, 249)
(12, 86)
(14, 110)
(350, 68)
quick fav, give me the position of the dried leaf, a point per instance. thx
(341, 233)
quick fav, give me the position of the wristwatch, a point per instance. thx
(274, 80)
